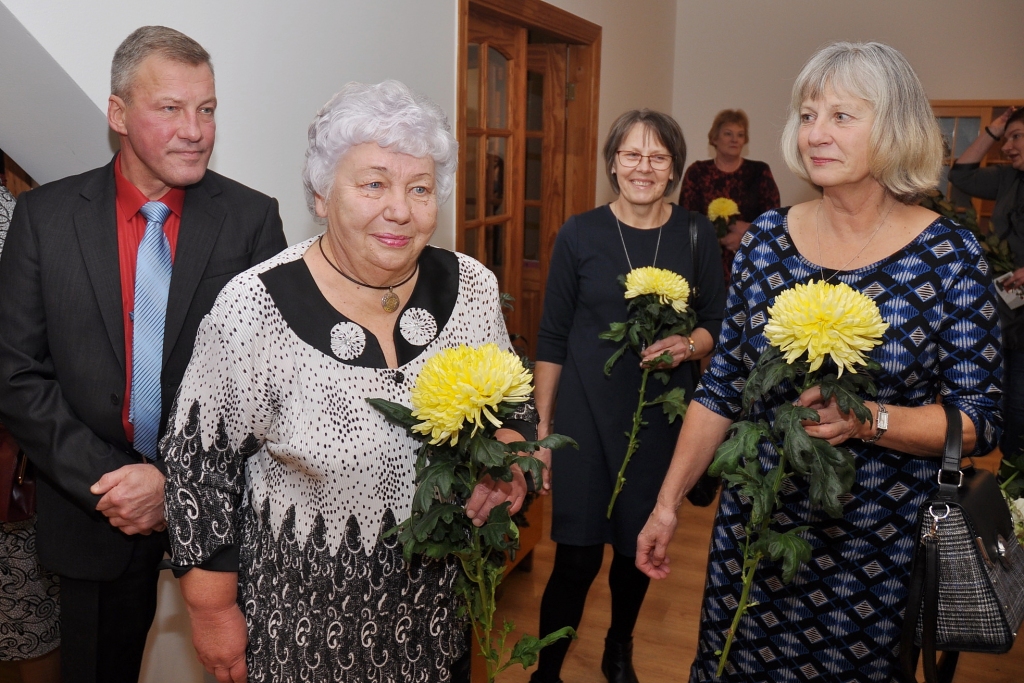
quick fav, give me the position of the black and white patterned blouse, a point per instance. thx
(273, 450)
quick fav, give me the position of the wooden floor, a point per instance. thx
(666, 636)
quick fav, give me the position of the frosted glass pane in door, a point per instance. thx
(473, 86)
(497, 89)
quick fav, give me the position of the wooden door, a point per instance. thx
(544, 179)
(491, 207)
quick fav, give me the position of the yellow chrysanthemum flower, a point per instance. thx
(822, 319)
(467, 384)
(671, 288)
(723, 207)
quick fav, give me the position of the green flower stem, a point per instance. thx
(750, 563)
(634, 443)
(1007, 482)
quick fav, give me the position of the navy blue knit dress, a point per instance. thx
(840, 619)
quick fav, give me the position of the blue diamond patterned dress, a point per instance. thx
(840, 619)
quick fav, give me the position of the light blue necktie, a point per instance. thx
(152, 282)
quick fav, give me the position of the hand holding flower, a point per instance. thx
(833, 425)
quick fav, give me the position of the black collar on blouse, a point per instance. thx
(320, 325)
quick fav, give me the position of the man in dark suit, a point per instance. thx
(104, 279)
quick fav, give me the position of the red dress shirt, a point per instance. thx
(131, 226)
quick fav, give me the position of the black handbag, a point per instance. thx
(17, 483)
(705, 490)
(967, 581)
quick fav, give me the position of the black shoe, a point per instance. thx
(617, 662)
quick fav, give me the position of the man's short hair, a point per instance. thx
(148, 40)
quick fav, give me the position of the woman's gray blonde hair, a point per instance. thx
(388, 113)
(905, 142)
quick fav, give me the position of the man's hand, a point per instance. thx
(132, 498)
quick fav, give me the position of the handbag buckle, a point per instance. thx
(933, 531)
(960, 483)
(22, 466)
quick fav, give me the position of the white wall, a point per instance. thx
(747, 53)
(276, 63)
(637, 41)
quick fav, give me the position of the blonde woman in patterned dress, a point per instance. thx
(281, 478)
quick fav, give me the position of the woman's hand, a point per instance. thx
(998, 125)
(490, 493)
(677, 345)
(833, 425)
(652, 543)
(544, 455)
(220, 638)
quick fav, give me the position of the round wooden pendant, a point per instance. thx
(389, 302)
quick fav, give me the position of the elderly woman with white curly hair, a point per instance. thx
(281, 478)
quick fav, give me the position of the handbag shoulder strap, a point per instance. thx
(950, 476)
(693, 251)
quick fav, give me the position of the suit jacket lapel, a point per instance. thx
(201, 221)
(96, 227)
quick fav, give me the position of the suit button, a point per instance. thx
(115, 400)
(399, 377)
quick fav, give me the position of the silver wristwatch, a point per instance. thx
(881, 424)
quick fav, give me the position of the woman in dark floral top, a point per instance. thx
(748, 183)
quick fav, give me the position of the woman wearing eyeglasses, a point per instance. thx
(644, 157)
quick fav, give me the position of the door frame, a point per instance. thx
(584, 72)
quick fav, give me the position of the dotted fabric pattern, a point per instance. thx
(841, 618)
(273, 445)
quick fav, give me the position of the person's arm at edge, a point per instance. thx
(703, 431)
(219, 632)
(545, 392)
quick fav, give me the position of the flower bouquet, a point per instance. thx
(657, 306)
(818, 335)
(1011, 481)
(723, 212)
(460, 399)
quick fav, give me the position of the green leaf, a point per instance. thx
(847, 401)
(528, 647)
(831, 476)
(795, 442)
(498, 531)
(661, 376)
(395, 413)
(791, 548)
(557, 441)
(742, 445)
(673, 403)
(614, 358)
(615, 332)
(436, 481)
(487, 451)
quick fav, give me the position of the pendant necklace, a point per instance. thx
(817, 236)
(656, 246)
(389, 302)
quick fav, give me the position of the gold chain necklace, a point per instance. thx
(817, 236)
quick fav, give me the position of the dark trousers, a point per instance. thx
(1013, 402)
(104, 624)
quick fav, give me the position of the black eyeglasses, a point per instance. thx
(659, 162)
